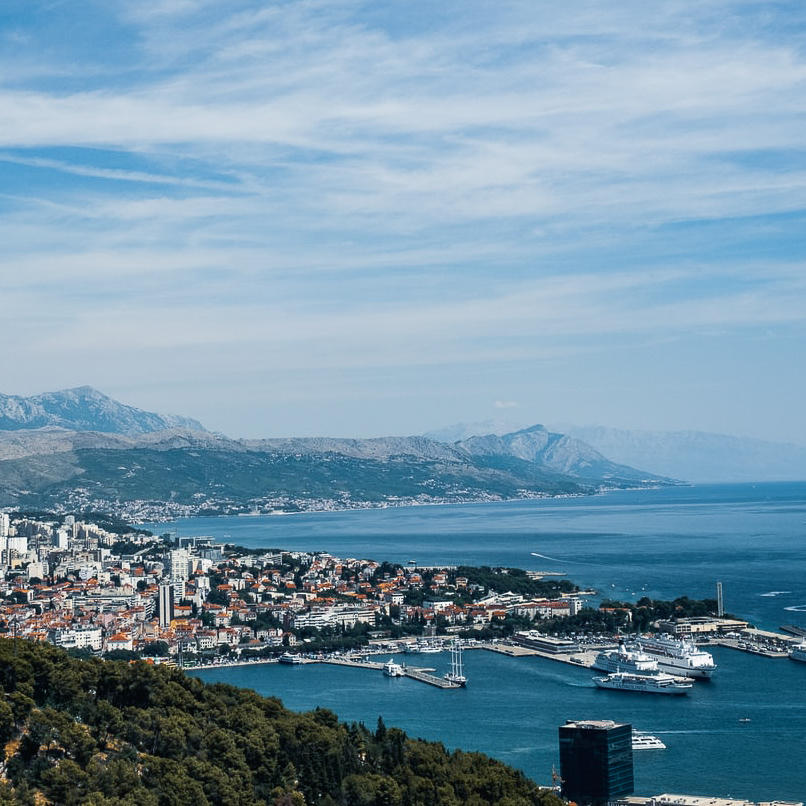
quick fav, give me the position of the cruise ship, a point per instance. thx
(798, 652)
(624, 660)
(659, 683)
(677, 656)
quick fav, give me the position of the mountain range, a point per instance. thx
(697, 456)
(83, 409)
(79, 449)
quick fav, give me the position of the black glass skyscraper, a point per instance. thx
(596, 761)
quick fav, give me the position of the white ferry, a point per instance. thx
(393, 669)
(624, 660)
(677, 656)
(644, 741)
(290, 657)
(798, 652)
(659, 683)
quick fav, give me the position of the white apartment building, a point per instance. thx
(77, 638)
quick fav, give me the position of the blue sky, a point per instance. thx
(346, 218)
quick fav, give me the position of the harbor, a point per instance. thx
(515, 699)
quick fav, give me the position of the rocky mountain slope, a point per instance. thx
(556, 452)
(83, 409)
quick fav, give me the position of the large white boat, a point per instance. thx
(658, 683)
(644, 741)
(456, 675)
(422, 647)
(677, 656)
(393, 669)
(625, 660)
(798, 652)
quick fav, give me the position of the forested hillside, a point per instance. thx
(117, 734)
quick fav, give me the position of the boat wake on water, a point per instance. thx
(796, 608)
(774, 593)
(558, 560)
(564, 561)
(546, 557)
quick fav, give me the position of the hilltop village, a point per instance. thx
(105, 589)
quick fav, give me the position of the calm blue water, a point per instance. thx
(659, 543)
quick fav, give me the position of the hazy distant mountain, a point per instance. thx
(697, 456)
(462, 431)
(556, 452)
(83, 409)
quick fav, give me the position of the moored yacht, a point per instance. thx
(393, 669)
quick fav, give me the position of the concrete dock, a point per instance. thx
(415, 673)
(432, 680)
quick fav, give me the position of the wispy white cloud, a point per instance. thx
(338, 184)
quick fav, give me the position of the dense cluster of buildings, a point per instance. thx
(78, 586)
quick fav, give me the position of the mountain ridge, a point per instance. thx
(84, 409)
(180, 471)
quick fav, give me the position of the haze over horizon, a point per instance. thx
(359, 219)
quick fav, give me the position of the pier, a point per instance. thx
(359, 664)
(422, 675)
(432, 680)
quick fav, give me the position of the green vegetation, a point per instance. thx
(220, 481)
(128, 734)
(514, 580)
(615, 617)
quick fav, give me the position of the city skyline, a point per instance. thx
(358, 219)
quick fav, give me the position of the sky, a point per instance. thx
(355, 219)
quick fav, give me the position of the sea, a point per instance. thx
(740, 735)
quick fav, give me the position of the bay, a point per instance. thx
(660, 543)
